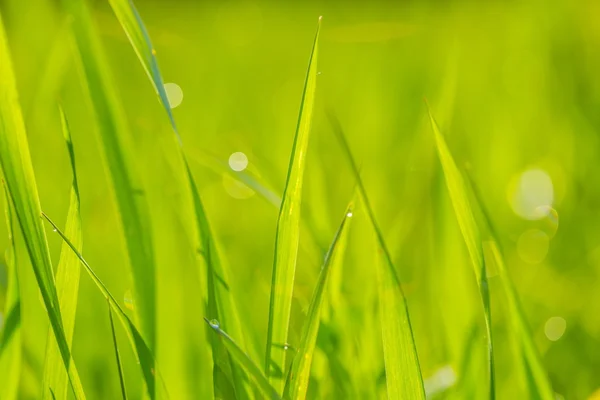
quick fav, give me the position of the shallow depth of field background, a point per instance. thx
(515, 89)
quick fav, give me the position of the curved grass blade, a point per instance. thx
(20, 180)
(117, 356)
(470, 232)
(67, 282)
(297, 385)
(288, 227)
(134, 27)
(531, 368)
(403, 373)
(138, 343)
(10, 335)
(244, 361)
(114, 137)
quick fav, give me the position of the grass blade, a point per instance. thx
(531, 369)
(403, 373)
(470, 232)
(297, 386)
(117, 356)
(67, 283)
(245, 362)
(138, 343)
(20, 180)
(288, 227)
(10, 335)
(118, 153)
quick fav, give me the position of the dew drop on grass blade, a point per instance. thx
(297, 385)
(119, 156)
(20, 181)
(288, 228)
(470, 232)
(117, 355)
(403, 373)
(143, 352)
(532, 371)
(67, 282)
(10, 333)
(238, 355)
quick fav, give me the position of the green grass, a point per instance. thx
(372, 246)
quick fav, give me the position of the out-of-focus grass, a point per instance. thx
(514, 88)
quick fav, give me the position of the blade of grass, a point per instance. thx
(67, 282)
(138, 343)
(117, 356)
(532, 370)
(10, 335)
(118, 152)
(297, 386)
(244, 361)
(470, 232)
(220, 301)
(20, 180)
(288, 227)
(403, 373)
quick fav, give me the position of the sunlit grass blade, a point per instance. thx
(20, 181)
(245, 362)
(297, 386)
(10, 334)
(470, 232)
(117, 356)
(532, 371)
(403, 373)
(288, 227)
(67, 282)
(144, 354)
(119, 156)
(135, 29)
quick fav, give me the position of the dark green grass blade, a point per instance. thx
(135, 29)
(297, 386)
(67, 283)
(470, 232)
(245, 362)
(403, 373)
(20, 181)
(532, 370)
(119, 156)
(221, 305)
(117, 356)
(288, 228)
(138, 343)
(10, 335)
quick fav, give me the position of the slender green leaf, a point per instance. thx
(20, 180)
(470, 232)
(532, 371)
(403, 373)
(244, 361)
(118, 152)
(138, 343)
(10, 335)
(67, 283)
(288, 227)
(297, 385)
(117, 356)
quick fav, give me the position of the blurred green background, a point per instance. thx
(514, 86)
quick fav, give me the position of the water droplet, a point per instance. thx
(128, 300)
(238, 161)
(174, 94)
(285, 347)
(54, 230)
(349, 214)
(214, 323)
(555, 328)
(319, 73)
